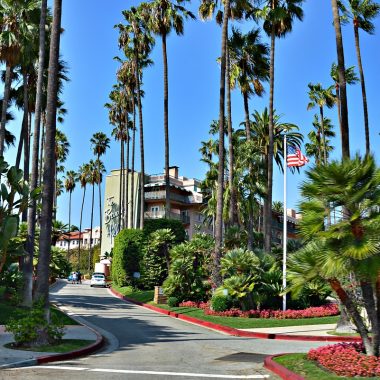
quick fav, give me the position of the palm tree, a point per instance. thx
(137, 44)
(321, 97)
(84, 178)
(345, 135)
(164, 17)
(42, 290)
(61, 151)
(250, 64)
(278, 18)
(117, 117)
(32, 211)
(15, 32)
(348, 246)
(100, 142)
(351, 78)
(362, 13)
(70, 180)
(93, 178)
(314, 148)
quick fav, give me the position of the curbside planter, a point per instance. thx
(236, 332)
(280, 370)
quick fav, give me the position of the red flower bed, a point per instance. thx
(346, 359)
(311, 312)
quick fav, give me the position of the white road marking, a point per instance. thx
(155, 373)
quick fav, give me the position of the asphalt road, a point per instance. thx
(142, 344)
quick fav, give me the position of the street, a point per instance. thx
(142, 344)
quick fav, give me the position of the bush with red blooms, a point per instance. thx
(311, 312)
(346, 359)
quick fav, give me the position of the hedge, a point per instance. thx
(176, 226)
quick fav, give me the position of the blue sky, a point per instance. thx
(89, 45)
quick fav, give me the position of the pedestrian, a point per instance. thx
(75, 277)
(79, 277)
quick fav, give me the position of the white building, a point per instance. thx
(74, 237)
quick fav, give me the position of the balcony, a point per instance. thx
(160, 195)
(185, 219)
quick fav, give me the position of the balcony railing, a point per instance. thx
(172, 215)
(172, 196)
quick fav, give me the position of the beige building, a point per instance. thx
(185, 203)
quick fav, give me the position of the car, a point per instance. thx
(98, 279)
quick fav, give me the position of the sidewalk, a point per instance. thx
(17, 358)
(316, 330)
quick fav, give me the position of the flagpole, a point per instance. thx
(285, 226)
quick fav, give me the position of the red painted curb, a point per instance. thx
(280, 370)
(237, 332)
(74, 354)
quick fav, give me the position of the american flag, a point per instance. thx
(295, 157)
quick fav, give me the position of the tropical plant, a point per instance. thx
(42, 289)
(15, 32)
(345, 137)
(70, 181)
(137, 43)
(84, 176)
(278, 16)
(321, 97)
(362, 13)
(165, 16)
(351, 245)
(100, 143)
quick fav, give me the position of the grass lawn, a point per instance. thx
(7, 311)
(299, 364)
(146, 296)
(66, 345)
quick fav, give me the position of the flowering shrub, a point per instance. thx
(199, 305)
(346, 359)
(311, 312)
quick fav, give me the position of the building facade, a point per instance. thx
(186, 201)
(74, 237)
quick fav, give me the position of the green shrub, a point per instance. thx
(155, 263)
(176, 226)
(126, 256)
(33, 329)
(220, 302)
(190, 270)
(173, 301)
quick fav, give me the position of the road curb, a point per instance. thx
(236, 332)
(280, 370)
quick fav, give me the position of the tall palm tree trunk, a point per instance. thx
(216, 275)
(68, 248)
(323, 135)
(354, 314)
(232, 211)
(123, 187)
(133, 164)
(42, 291)
(42, 149)
(26, 137)
(364, 93)
(92, 220)
(342, 81)
(20, 143)
(338, 107)
(80, 226)
(126, 216)
(268, 199)
(120, 183)
(141, 125)
(7, 90)
(166, 127)
(246, 114)
(100, 202)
